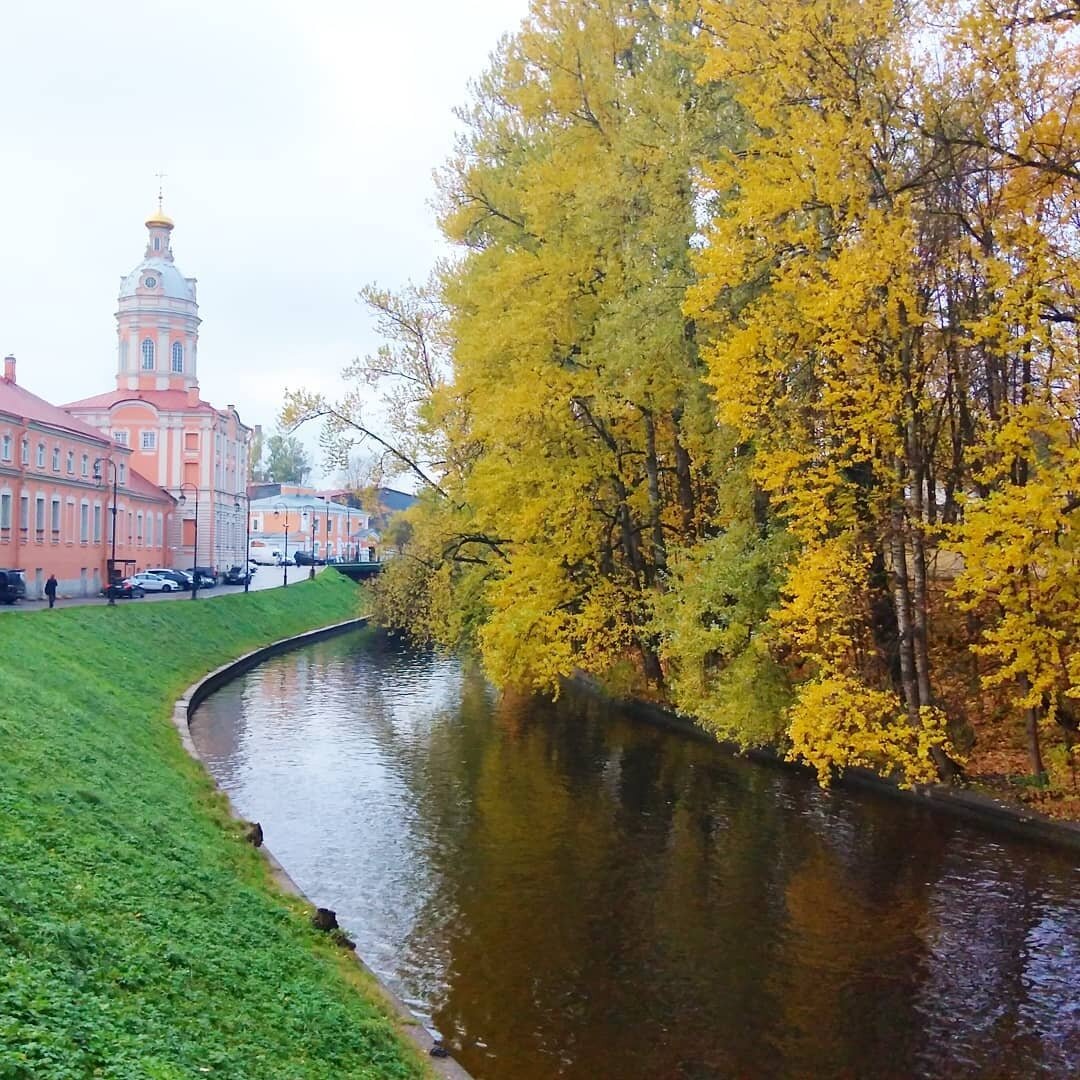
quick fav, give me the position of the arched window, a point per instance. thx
(147, 354)
(178, 357)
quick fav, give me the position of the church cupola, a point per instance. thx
(160, 226)
(157, 321)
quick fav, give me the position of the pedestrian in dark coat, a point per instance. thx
(50, 589)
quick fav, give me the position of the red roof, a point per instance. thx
(20, 402)
(163, 400)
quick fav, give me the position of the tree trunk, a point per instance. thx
(685, 478)
(902, 604)
(652, 471)
(1031, 725)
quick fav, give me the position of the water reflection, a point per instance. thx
(564, 893)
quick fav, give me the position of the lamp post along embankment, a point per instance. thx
(182, 500)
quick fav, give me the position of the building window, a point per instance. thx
(84, 521)
(178, 357)
(55, 518)
(149, 440)
(148, 354)
(26, 451)
(24, 512)
(86, 464)
(120, 437)
(5, 509)
(97, 523)
(39, 515)
(138, 526)
(191, 440)
(56, 459)
(41, 455)
(123, 355)
(157, 243)
(160, 530)
(123, 474)
(5, 448)
(71, 463)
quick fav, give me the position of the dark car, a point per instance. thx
(237, 575)
(12, 586)
(305, 558)
(124, 590)
(207, 579)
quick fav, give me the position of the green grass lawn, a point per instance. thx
(139, 934)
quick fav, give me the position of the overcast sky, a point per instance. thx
(298, 142)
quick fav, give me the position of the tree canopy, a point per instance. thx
(753, 383)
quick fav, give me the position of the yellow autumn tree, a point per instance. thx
(809, 283)
(571, 201)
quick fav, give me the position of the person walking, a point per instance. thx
(50, 590)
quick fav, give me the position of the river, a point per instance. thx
(561, 891)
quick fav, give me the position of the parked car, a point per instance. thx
(280, 560)
(153, 582)
(124, 590)
(177, 577)
(12, 586)
(305, 558)
(237, 575)
(207, 577)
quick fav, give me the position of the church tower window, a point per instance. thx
(148, 354)
(178, 357)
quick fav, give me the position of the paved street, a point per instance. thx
(266, 577)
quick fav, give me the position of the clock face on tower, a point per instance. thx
(150, 282)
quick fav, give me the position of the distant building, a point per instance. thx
(175, 439)
(310, 521)
(55, 515)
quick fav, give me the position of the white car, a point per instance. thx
(153, 583)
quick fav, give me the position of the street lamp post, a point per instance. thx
(348, 532)
(311, 511)
(326, 553)
(112, 560)
(246, 564)
(285, 561)
(195, 549)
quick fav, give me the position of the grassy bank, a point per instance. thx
(139, 934)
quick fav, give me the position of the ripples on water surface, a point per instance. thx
(562, 892)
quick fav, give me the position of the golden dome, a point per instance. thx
(159, 218)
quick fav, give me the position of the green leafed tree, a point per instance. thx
(286, 460)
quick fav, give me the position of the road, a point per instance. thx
(266, 577)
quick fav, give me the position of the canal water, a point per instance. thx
(560, 891)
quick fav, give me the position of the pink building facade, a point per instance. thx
(56, 485)
(175, 439)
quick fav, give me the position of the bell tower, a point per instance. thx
(157, 319)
